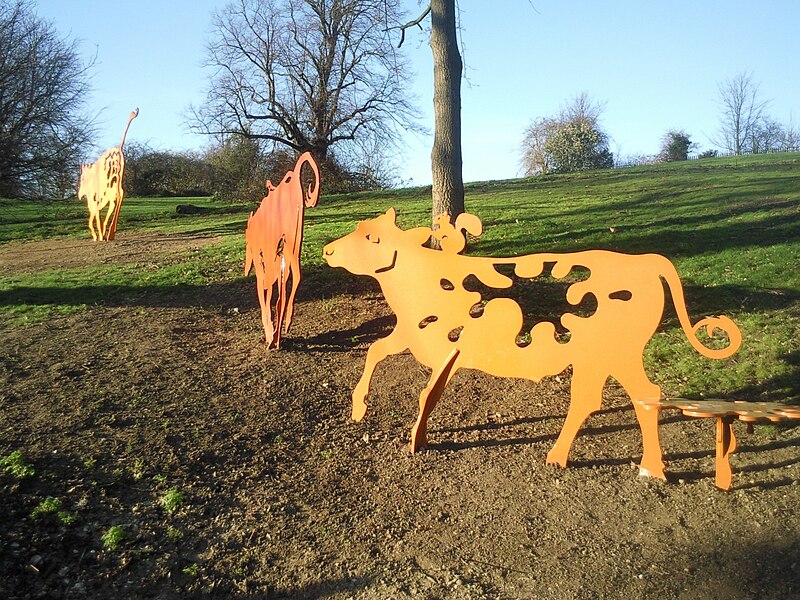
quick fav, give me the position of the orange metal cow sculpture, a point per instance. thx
(100, 184)
(447, 327)
(273, 240)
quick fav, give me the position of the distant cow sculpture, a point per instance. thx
(101, 184)
(447, 327)
(273, 240)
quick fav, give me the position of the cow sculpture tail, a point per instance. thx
(312, 193)
(133, 115)
(711, 324)
(118, 205)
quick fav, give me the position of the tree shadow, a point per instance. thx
(227, 295)
(313, 591)
(785, 386)
(745, 568)
(672, 236)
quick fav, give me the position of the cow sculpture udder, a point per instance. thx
(447, 327)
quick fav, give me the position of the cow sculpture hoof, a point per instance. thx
(553, 459)
(359, 410)
(417, 445)
(655, 473)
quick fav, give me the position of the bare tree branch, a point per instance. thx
(417, 22)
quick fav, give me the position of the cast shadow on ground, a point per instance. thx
(314, 591)
(526, 441)
(227, 295)
(753, 566)
(675, 236)
(778, 388)
(669, 457)
(343, 340)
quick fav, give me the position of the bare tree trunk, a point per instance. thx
(448, 182)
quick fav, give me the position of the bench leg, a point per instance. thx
(726, 444)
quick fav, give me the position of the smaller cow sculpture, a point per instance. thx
(448, 325)
(273, 240)
(101, 185)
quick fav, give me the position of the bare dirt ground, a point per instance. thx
(285, 497)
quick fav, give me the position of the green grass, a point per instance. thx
(35, 220)
(731, 226)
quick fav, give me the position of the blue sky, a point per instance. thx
(655, 65)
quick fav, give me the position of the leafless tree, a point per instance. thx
(767, 136)
(742, 110)
(583, 108)
(790, 140)
(44, 85)
(307, 75)
(534, 146)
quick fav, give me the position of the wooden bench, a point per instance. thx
(725, 412)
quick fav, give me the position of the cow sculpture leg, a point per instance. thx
(586, 396)
(294, 271)
(639, 387)
(428, 399)
(264, 299)
(112, 205)
(380, 349)
(280, 304)
(92, 216)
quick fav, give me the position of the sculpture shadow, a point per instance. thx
(344, 340)
(521, 423)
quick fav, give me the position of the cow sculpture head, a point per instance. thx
(85, 182)
(370, 249)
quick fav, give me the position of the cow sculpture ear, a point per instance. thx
(392, 213)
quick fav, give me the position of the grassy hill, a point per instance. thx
(731, 226)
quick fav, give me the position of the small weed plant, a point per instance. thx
(14, 464)
(138, 469)
(51, 506)
(113, 537)
(172, 499)
(47, 506)
(66, 518)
